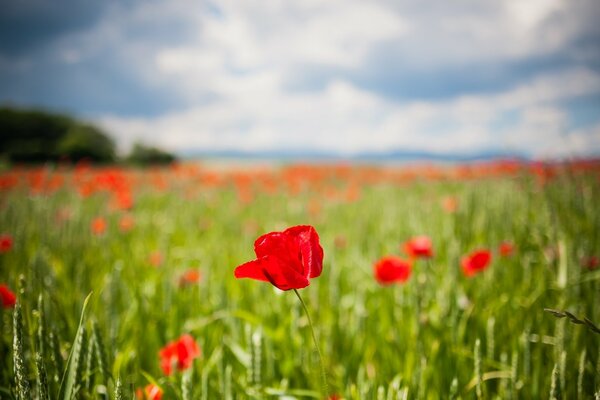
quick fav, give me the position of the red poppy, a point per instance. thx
(450, 204)
(391, 269)
(419, 246)
(150, 392)
(476, 262)
(98, 225)
(591, 262)
(6, 243)
(179, 353)
(122, 200)
(287, 259)
(7, 297)
(506, 249)
(190, 277)
(155, 258)
(126, 223)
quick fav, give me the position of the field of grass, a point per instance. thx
(157, 249)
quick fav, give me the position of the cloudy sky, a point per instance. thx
(344, 76)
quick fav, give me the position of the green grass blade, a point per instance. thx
(69, 380)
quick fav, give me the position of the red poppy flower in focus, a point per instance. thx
(7, 297)
(150, 392)
(419, 246)
(391, 269)
(476, 262)
(506, 249)
(179, 353)
(6, 243)
(98, 226)
(287, 259)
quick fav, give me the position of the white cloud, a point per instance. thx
(244, 55)
(344, 118)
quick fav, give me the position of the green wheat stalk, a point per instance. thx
(554, 383)
(186, 384)
(55, 355)
(41, 329)
(42, 379)
(478, 380)
(256, 358)
(573, 319)
(580, 375)
(119, 390)
(100, 350)
(68, 386)
(20, 371)
(89, 363)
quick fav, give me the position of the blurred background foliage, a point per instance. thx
(37, 136)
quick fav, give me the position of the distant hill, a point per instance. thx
(384, 156)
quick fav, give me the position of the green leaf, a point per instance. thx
(68, 383)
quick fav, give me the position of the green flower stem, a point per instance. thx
(312, 331)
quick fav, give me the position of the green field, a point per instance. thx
(438, 335)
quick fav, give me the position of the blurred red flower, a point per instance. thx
(150, 392)
(6, 243)
(7, 297)
(126, 223)
(591, 262)
(179, 353)
(98, 226)
(391, 269)
(287, 259)
(122, 200)
(190, 277)
(419, 246)
(450, 204)
(155, 258)
(506, 249)
(476, 262)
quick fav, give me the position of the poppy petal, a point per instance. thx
(312, 253)
(252, 269)
(283, 277)
(280, 245)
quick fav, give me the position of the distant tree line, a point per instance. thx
(35, 136)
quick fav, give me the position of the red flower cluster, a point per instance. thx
(179, 353)
(391, 269)
(476, 262)
(7, 297)
(286, 259)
